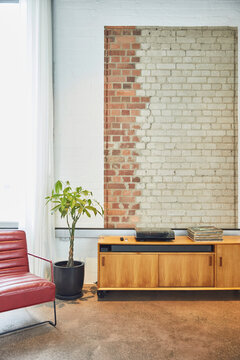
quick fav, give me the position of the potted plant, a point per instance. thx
(71, 204)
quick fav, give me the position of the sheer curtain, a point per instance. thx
(38, 222)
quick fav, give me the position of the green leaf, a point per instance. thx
(88, 214)
(58, 186)
(93, 209)
(67, 190)
(55, 208)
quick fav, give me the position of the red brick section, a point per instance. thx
(121, 106)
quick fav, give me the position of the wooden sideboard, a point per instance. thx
(182, 264)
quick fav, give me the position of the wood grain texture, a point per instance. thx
(179, 240)
(186, 270)
(172, 288)
(128, 270)
(228, 266)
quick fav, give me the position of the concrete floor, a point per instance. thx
(130, 325)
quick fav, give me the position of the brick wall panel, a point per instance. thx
(170, 126)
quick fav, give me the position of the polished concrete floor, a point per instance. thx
(177, 325)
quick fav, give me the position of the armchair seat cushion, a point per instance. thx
(21, 289)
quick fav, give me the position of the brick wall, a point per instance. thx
(175, 131)
(122, 106)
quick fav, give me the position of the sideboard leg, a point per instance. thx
(101, 294)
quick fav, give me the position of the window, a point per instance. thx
(12, 125)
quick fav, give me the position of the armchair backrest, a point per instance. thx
(13, 252)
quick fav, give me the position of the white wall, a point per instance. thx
(78, 74)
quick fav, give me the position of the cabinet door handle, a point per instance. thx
(210, 260)
(220, 261)
(103, 261)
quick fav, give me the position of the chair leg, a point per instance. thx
(36, 324)
(55, 315)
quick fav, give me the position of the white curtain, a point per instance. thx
(38, 223)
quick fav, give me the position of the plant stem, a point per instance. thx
(69, 228)
(71, 246)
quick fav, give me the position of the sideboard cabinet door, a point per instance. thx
(128, 270)
(228, 266)
(186, 270)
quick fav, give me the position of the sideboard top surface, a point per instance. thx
(179, 240)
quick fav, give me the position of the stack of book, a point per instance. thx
(205, 233)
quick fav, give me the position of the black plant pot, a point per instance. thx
(68, 280)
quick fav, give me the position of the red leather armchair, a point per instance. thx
(18, 287)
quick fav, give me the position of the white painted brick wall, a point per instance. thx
(188, 148)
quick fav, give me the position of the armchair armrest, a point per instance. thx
(49, 261)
